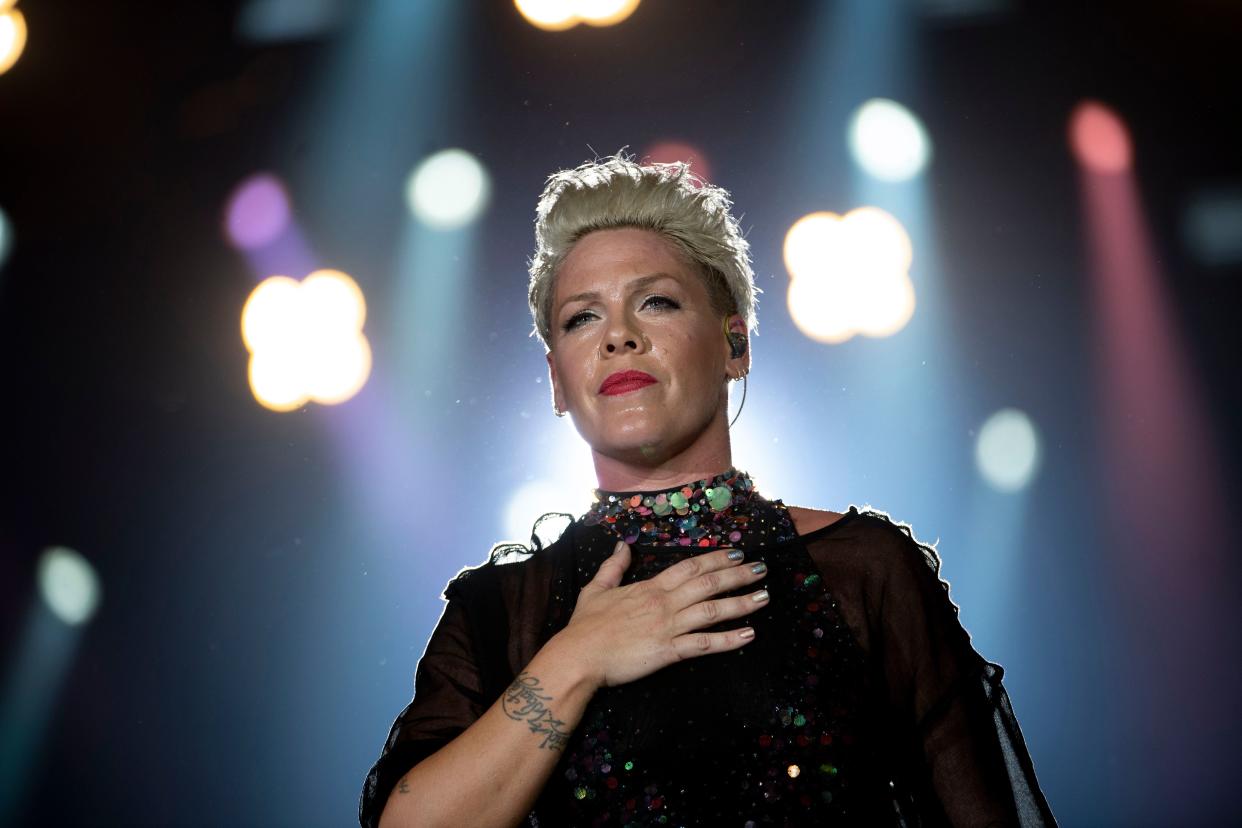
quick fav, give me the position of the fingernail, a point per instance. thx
(746, 633)
(759, 568)
(761, 595)
(617, 548)
(736, 555)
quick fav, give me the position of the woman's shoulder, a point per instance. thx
(879, 539)
(506, 564)
(807, 520)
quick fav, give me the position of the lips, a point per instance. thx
(622, 382)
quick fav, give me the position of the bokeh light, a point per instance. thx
(1007, 450)
(559, 15)
(12, 38)
(305, 340)
(6, 237)
(667, 152)
(1099, 139)
(888, 141)
(275, 21)
(68, 585)
(605, 12)
(849, 275)
(549, 15)
(1211, 227)
(257, 212)
(448, 189)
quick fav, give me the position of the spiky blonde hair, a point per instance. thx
(616, 192)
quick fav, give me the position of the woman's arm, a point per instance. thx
(974, 766)
(491, 773)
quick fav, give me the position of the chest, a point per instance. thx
(781, 720)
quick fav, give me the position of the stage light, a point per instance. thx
(888, 141)
(1099, 139)
(549, 15)
(667, 152)
(559, 15)
(1211, 227)
(12, 38)
(257, 212)
(68, 584)
(849, 275)
(333, 314)
(448, 190)
(305, 340)
(1007, 450)
(604, 12)
(275, 21)
(6, 237)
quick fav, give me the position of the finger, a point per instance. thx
(698, 644)
(612, 570)
(713, 583)
(707, 613)
(698, 565)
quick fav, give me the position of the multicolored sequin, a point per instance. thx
(707, 513)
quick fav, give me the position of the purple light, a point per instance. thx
(257, 212)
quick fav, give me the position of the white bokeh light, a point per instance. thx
(448, 189)
(1007, 450)
(68, 584)
(6, 237)
(604, 12)
(12, 36)
(306, 340)
(849, 275)
(888, 141)
(551, 15)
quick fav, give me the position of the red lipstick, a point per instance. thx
(623, 382)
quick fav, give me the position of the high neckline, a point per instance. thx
(715, 511)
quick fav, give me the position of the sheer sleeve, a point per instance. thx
(969, 765)
(448, 698)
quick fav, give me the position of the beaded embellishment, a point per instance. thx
(706, 513)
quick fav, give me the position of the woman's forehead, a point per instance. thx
(606, 261)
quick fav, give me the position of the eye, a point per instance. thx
(655, 301)
(658, 301)
(576, 320)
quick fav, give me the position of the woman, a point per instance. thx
(689, 652)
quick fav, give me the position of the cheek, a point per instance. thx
(694, 367)
(572, 371)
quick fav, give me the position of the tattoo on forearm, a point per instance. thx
(524, 701)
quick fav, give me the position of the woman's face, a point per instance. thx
(626, 300)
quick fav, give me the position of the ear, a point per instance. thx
(556, 399)
(735, 324)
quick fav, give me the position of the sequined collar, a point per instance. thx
(720, 511)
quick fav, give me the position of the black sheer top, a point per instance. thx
(859, 702)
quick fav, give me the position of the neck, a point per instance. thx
(706, 457)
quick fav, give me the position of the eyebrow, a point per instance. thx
(633, 287)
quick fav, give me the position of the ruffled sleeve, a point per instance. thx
(966, 761)
(448, 698)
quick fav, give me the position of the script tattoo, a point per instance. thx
(523, 701)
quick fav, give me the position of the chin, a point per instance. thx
(629, 437)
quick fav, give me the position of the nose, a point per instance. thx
(623, 336)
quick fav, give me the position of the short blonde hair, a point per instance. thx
(616, 192)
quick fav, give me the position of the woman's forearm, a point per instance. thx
(492, 773)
